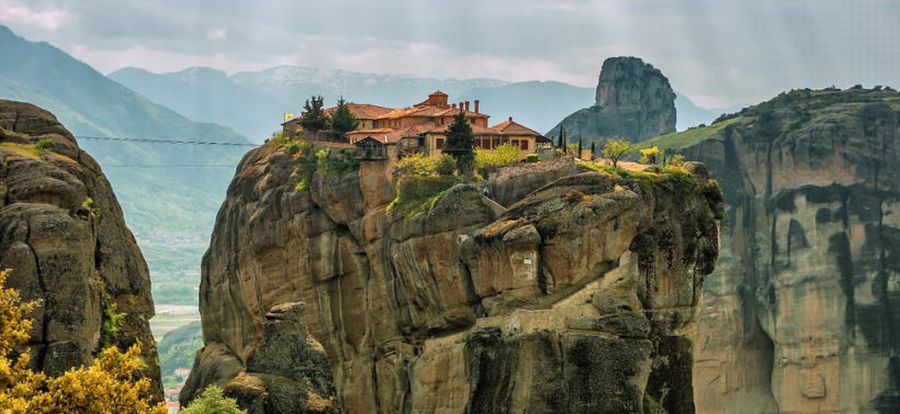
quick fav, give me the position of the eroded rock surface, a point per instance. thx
(577, 294)
(802, 312)
(63, 235)
(634, 101)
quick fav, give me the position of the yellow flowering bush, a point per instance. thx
(108, 386)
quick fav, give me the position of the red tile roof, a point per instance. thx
(511, 127)
(362, 111)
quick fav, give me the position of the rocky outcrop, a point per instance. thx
(578, 293)
(801, 314)
(63, 235)
(634, 102)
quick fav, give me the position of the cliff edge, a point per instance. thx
(801, 314)
(63, 235)
(574, 290)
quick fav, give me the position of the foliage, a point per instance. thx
(593, 148)
(88, 210)
(314, 118)
(615, 149)
(342, 120)
(531, 158)
(309, 159)
(460, 143)
(111, 322)
(578, 153)
(571, 148)
(212, 401)
(418, 193)
(445, 166)
(176, 350)
(649, 155)
(44, 144)
(106, 386)
(488, 161)
(417, 164)
(561, 140)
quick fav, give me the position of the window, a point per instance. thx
(523, 145)
(439, 143)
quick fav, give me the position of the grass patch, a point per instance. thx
(693, 136)
(417, 193)
(31, 151)
(309, 160)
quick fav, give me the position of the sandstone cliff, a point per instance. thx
(578, 292)
(634, 102)
(801, 314)
(63, 235)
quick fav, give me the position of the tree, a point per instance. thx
(460, 143)
(342, 120)
(560, 143)
(578, 154)
(649, 155)
(593, 148)
(314, 118)
(108, 385)
(212, 401)
(615, 149)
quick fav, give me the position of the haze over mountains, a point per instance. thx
(253, 102)
(169, 193)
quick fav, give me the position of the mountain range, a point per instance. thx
(169, 192)
(253, 103)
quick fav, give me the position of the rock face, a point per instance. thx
(634, 102)
(577, 294)
(63, 235)
(802, 312)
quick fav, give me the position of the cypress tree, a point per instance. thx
(313, 119)
(593, 148)
(342, 120)
(579, 147)
(460, 144)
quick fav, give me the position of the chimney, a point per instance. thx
(454, 106)
(460, 105)
(510, 119)
(467, 106)
(476, 107)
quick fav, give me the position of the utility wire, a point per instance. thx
(164, 141)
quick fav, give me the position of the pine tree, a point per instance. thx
(342, 120)
(460, 144)
(314, 119)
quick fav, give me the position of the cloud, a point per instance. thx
(715, 52)
(47, 18)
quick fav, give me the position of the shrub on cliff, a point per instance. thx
(212, 401)
(488, 161)
(106, 386)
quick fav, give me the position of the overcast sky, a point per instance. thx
(718, 52)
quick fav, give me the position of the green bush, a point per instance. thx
(488, 161)
(417, 193)
(212, 401)
(531, 158)
(417, 164)
(446, 166)
(44, 144)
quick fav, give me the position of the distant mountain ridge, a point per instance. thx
(253, 102)
(170, 208)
